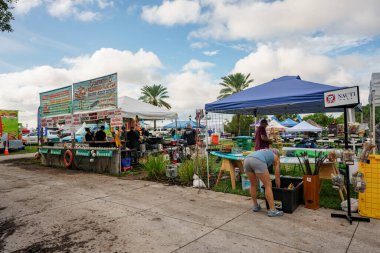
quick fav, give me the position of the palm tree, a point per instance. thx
(155, 95)
(234, 83)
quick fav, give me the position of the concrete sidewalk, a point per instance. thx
(53, 210)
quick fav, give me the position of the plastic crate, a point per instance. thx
(244, 142)
(289, 199)
(369, 201)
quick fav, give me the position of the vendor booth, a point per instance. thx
(92, 104)
(294, 95)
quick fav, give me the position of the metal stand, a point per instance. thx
(348, 216)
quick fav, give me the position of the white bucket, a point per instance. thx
(142, 147)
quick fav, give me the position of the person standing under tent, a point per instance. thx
(256, 167)
(101, 135)
(123, 136)
(261, 138)
(133, 137)
(190, 137)
(89, 136)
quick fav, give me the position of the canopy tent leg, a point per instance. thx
(206, 154)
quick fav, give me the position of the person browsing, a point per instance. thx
(190, 137)
(261, 139)
(101, 135)
(256, 167)
(89, 136)
(133, 138)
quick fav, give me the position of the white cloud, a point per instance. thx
(189, 91)
(22, 7)
(82, 10)
(20, 90)
(197, 65)
(245, 19)
(172, 12)
(269, 62)
(87, 16)
(198, 45)
(211, 53)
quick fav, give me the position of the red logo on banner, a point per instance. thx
(330, 98)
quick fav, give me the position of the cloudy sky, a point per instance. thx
(186, 45)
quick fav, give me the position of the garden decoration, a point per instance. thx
(311, 181)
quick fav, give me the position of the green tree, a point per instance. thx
(322, 119)
(155, 94)
(245, 124)
(6, 15)
(234, 83)
(366, 115)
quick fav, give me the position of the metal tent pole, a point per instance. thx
(206, 153)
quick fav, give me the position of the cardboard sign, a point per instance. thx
(116, 122)
(348, 97)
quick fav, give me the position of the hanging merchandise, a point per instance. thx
(337, 181)
(348, 157)
(359, 182)
(367, 149)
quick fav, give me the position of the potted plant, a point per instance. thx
(311, 180)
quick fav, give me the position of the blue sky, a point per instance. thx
(186, 45)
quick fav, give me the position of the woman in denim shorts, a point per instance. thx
(256, 167)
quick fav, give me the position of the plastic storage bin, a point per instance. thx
(369, 201)
(245, 183)
(244, 142)
(289, 198)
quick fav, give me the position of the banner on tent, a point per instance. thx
(95, 94)
(56, 102)
(342, 98)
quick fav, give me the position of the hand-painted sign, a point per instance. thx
(9, 124)
(116, 122)
(95, 94)
(56, 102)
(348, 97)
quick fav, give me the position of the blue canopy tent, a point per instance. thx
(289, 122)
(287, 94)
(182, 124)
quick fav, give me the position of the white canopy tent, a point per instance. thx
(273, 124)
(131, 108)
(303, 127)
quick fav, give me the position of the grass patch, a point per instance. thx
(155, 166)
(28, 149)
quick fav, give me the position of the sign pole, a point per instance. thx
(345, 98)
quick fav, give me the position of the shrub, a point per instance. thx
(186, 171)
(155, 166)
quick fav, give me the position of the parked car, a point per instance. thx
(51, 135)
(30, 139)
